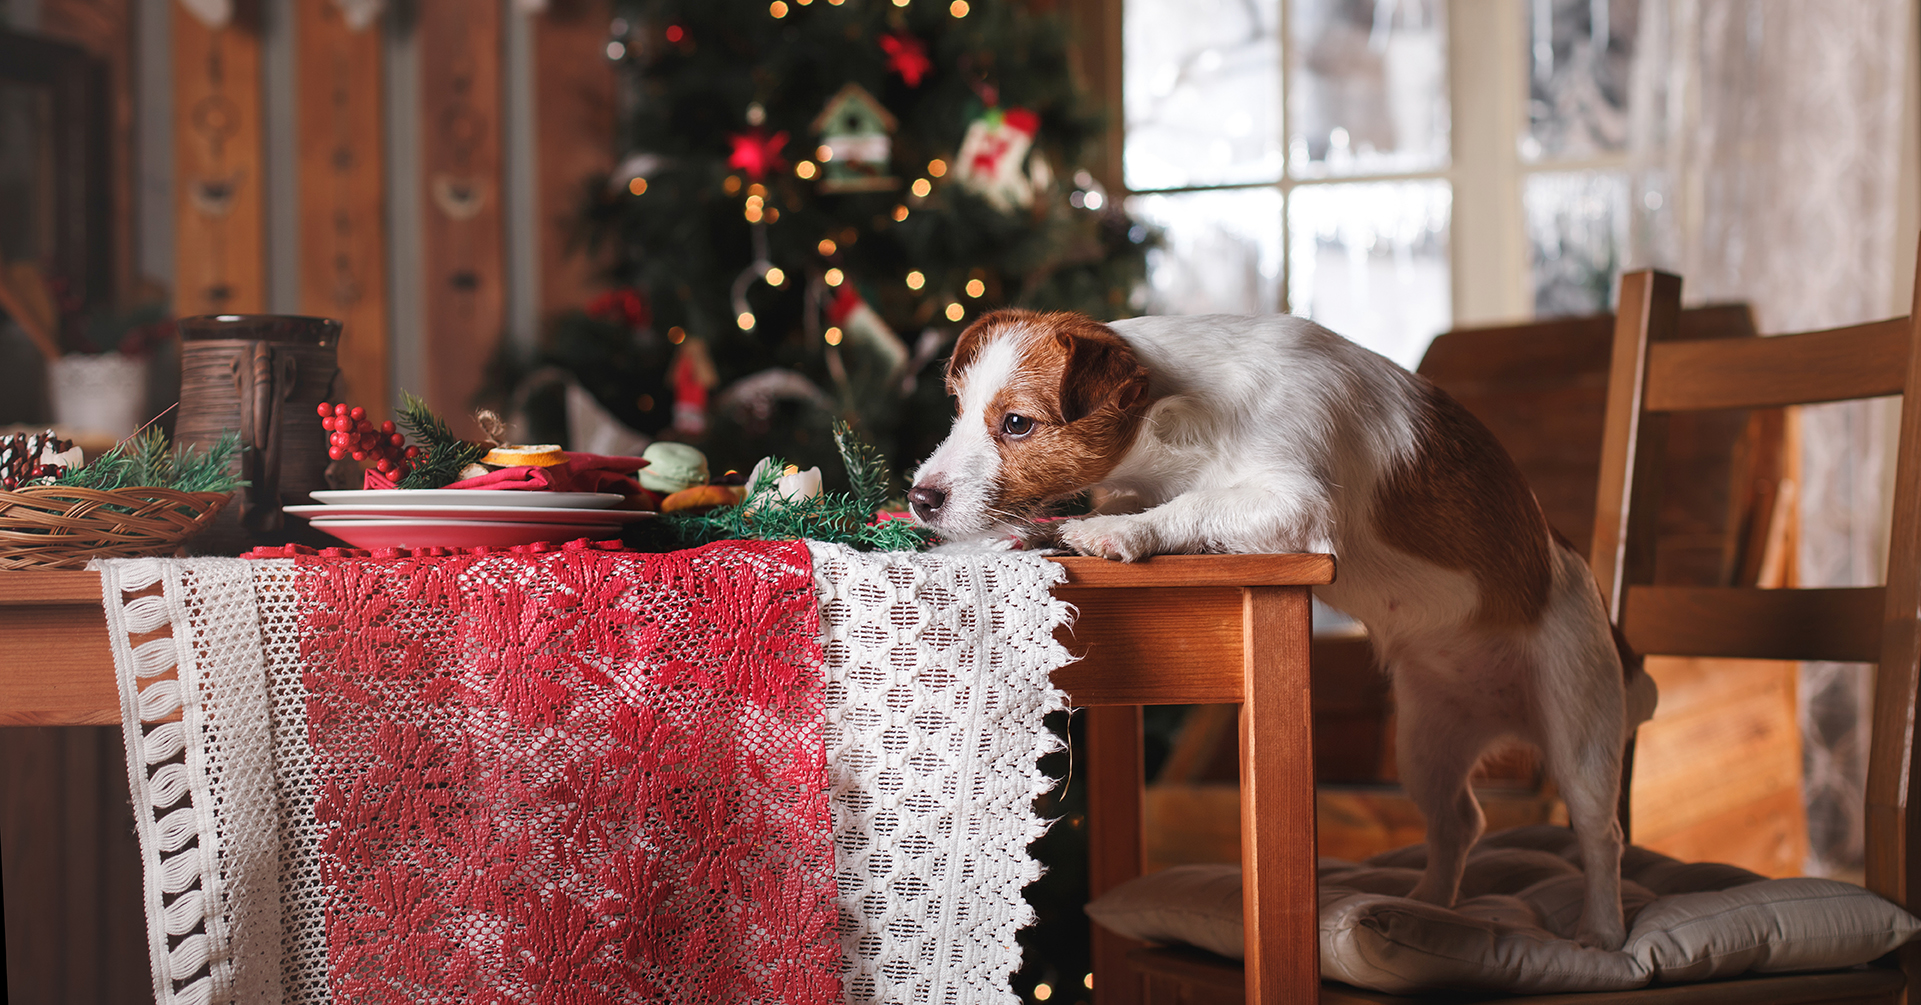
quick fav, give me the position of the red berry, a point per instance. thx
(340, 409)
(413, 452)
(326, 409)
(385, 464)
(336, 453)
(396, 439)
(357, 413)
(359, 455)
(387, 427)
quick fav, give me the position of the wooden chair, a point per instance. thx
(1654, 376)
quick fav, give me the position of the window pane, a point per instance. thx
(1202, 86)
(1578, 90)
(1368, 86)
(1222, 253)
(1369, 260)
(1577, 224)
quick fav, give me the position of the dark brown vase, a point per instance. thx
(263, 376)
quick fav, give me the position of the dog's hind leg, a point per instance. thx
(1579, 713)
(1437, 744)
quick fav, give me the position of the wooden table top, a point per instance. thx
(1168, 624)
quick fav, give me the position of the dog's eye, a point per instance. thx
(1017, 426)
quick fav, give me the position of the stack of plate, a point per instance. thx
(462, 518)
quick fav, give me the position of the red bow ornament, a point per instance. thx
(907, 56)
(756, 153)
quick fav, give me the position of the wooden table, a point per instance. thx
(1179, 629)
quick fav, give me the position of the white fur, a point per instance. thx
(1272, 434)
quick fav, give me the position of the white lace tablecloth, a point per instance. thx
(938, 676)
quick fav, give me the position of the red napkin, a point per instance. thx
(581, 473)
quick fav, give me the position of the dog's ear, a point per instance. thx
(1101, 370)
(975, 337)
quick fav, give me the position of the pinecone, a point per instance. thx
(21, 460)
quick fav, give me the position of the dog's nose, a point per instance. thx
(925, 501)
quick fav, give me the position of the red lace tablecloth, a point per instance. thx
(572, 776)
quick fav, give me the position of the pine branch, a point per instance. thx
(146, 460)
(834, 517)
(443, 456)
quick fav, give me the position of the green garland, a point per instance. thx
(146, 460)
(833, 517)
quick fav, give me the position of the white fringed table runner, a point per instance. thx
(937, 675)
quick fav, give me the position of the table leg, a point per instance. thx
(1116, 834)
(1277, 800)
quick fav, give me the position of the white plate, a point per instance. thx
(511, 514)
(469, 497)
(458, 533)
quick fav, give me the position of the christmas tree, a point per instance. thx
(820, 195)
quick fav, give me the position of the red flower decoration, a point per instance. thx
(756, 153)
(907, 56)
(624, 304)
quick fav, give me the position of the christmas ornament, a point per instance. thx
(694, 376)
(993, 158)
(23, 458)
(856, 138)
(624, 305)
(757, 154)
(907, 56)
(867, 356)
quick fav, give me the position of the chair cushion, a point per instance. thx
(1512, 929)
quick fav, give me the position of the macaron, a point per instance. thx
(672, 467)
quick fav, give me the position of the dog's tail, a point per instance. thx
(1642, 695)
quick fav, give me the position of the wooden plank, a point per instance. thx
(1116, 842)
(219, 240)
(1201, 570)
(54, 586)
(462, 255)
(1864, 361)
(1631, 443)
(1152, 646)
(1893, 804)
(59, 667)
(341, 159)
(1278, 884)
(1841, 624)
(574, 123)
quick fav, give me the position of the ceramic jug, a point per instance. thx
(262, 375)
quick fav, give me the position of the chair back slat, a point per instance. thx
(1864, 361)
(1842, 625)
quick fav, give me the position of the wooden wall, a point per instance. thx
(68, 863)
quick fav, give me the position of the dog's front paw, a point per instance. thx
(1123, 538)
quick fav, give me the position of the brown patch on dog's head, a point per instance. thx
(1080, 390)
(1460, 503)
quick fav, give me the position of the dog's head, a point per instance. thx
(1046, 406)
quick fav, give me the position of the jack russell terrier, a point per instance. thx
(1273, 434)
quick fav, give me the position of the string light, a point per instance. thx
(1088, 982)
(900, 3)
(616, 49)
(937, 167)
(675, 33)
(832, 335)
(958, 8)
(915, 280)
(777, 8)
(637, 185)
(1042, 992)
(826, 247)
(775, 277)
(753, 213)
(676, 334)
(823, 153)
(955, 311)
(975, 287)
(805, 170)
(804, 3)
(731, 184)
(833, 277)
(745, 321)
(922, 186)
(757, 190)
(900, 212)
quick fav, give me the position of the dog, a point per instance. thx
(1235, 434)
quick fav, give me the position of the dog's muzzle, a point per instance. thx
(925, 501)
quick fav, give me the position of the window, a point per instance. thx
(1389, 168)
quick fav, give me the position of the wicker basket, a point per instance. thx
(60, 527)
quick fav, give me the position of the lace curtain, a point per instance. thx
(1765, 143)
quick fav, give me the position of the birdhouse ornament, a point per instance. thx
(993, 158)
(856, 139)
